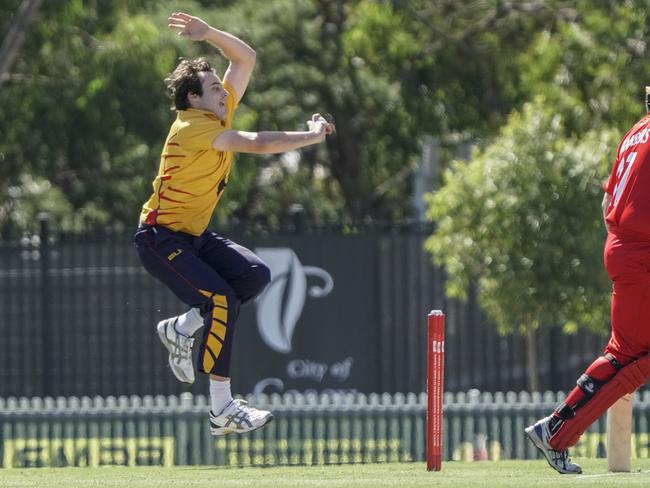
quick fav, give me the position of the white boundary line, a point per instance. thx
(604, 475)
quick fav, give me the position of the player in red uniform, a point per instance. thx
(625, 364)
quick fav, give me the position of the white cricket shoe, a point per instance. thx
(180, 350)
(238, 417)
(540, 435)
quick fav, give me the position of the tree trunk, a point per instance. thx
(14, 38)
(532, 359)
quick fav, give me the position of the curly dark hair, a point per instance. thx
(185, 80)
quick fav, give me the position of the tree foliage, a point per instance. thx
(593, 62)
(80, 111)
(542, 88)
(523, 217)
(85, 109)
(523, 220)
(84, 115)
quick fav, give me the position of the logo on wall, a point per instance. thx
(281, 304)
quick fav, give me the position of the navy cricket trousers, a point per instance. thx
(209, 272)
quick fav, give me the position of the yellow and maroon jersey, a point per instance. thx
(192, 175)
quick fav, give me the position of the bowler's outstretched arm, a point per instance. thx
(241, 56)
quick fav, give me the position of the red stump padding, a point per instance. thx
(435, 387)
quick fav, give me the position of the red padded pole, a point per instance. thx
(435, 387)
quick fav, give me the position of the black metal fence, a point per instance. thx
(77, 316)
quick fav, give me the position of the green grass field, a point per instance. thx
(457, 474)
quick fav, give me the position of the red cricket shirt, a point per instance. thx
(629, 183)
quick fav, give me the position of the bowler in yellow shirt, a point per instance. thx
(208, 272)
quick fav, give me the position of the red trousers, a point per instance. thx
(627, 260)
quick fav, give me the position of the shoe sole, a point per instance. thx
(180, 375)
(222, 431)
(537, 442)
